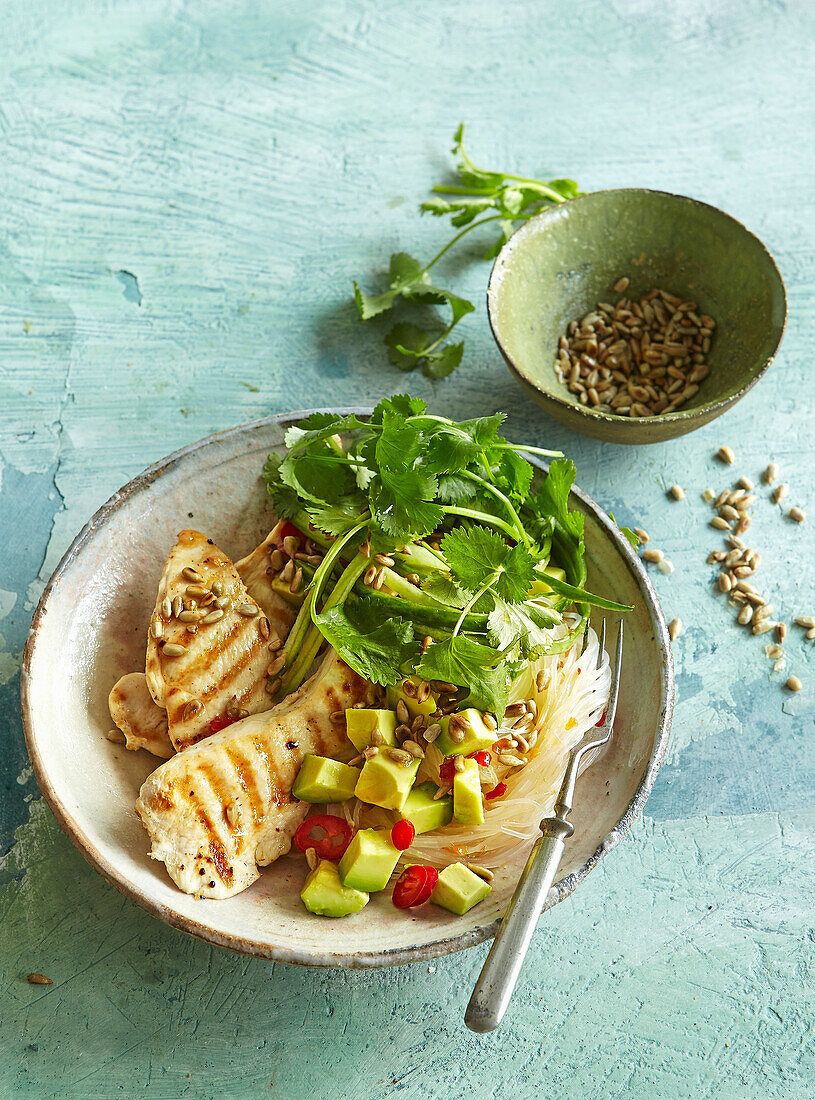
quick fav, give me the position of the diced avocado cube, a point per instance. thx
(415, 708)
(369, 860)
(362, 723)
(423, 812)
(283, 589)
(459, 889)
(539, 585)
(321, 779)
(325, 895)
(468, 805)
(476, 735)
(386, 782)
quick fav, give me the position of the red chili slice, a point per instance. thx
(287, 529)
(333, 835)
(496, 792)
(414, 886)
(402, 835)
(602, 719)
(483, 758)
(447, 769)
(220, 723)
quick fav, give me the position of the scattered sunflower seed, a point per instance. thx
(708, 495)
(116, 736)
(725, 454)
(764, 626)
(666, 567)
(248, 610)
(798, 514)
(172, 649)
(793, 684)
(745, 615)
(746, 483)
(779, 492)
(191, 574)
(807, 621)
(311, 858)
(642, 534)
(653, 555)
(677, 492)
(720, 524)
(39, 979)
(674, 628)
(770, 474)
(482, 872)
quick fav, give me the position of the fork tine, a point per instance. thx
(602, 647)
(614, 691)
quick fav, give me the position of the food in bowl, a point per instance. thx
(392, 680)
(636, 357)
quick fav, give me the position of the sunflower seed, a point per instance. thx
(192, 710)
(720, 524)
(781, 632)
(510, 760)
(311, 858)
(166, 607)
(442, 791)
(491, 722)
(336, 717)
(770, 474)
(725, 454)
(674, 628)
(653, 555)
(677, 492)
(432, 732)
(156, 628)
(191, 574)
(248, 610)
(116, 736)
(746, 483)
(172, 649)
(807, 621)
(725, 584)
(798, 514)
(39, 979)
(779, 492)
(291, 545)
(213, 617)
(482, 872)
(273, 686)
(708, 495)
(811, 633)
(715, 556)
(178, 606)
(277, 664)
(745, 615)
(793, 684)
(196, 591)
(379, 579)
(641, 534)
(415, 750)
(764, 626)
(189, 616)
(408, 688)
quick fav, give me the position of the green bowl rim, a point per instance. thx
(589, 412)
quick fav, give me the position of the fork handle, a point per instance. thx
(500, 972)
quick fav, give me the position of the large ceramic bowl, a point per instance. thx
(562, 262)
(90, 628)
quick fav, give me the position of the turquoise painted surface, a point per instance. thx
(185, 193)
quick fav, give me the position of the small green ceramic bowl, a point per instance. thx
(560, 263)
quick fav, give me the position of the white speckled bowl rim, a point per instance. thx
(165, 902)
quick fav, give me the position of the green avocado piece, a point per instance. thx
(361, 723)
(423, 812)
(476, 735)
(325, 895)
(385, 782)
(415, 708)
(321, 779)
(283, 589)
(369, 860)
(468, 805)
(540, 588)
(459, 889)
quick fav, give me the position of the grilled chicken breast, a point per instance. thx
(220, 809)
(132, 707)
(135, 712)
(206, 656)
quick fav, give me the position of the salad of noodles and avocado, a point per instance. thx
(392, 680)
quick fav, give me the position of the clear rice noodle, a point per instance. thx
(570, 701)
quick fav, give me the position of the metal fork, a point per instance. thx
(498, 977)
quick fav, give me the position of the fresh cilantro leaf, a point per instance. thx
(286, 502)
(629, 534)
(444, 589)
(553, 499)
(402, 503)
(398, 444)
(379, 654)
(398, 403)
(454, 489)
(453, 446)
(514, 474)
(316, 477)
(466, 663)
(525, 623)
(405, 343)
(439, 364)
(338, 519)
(319, 426)
(477, 556)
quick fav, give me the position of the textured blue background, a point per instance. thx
(186, 190)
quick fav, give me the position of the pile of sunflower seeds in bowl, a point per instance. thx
(636, 358)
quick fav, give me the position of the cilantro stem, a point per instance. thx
(485, 587)
(523, 447)
(520, 531)
(481, 517)
(458, 236)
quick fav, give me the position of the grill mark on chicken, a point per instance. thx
(214, 843)
(246, 780)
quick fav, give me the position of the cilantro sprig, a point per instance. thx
(471, 593)
(477, 197)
